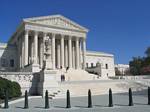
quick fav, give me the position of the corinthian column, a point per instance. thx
(23, 57)
(70, 52)
(53, 50)
(36, 48)
(58, 53)
(62, 51)
(73, 54)
(26, 39)
(80, 52)
(42, 49)
(66, 54)
(77, 52)
(84, 53)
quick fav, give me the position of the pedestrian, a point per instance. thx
(67, 69)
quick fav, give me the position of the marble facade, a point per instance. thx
(55, 40)
(44, 45)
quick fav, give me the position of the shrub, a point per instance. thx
(14, 89)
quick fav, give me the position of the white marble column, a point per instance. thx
(80, 53)
(53, 51)
(26, 43)
(36, 48)
(66, 54)
(42, 49)
(84, 53)
(73, 54)
(20, 53)
(62, 51)
(70, 51)
(58, 53)
(77, 52)
(22, 61)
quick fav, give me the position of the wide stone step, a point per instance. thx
(80, 88)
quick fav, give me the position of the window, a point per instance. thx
(11, 63)
(106, 65)
(87, 65)
(4, 62)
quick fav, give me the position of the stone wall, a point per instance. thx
(103, 59)
(27, 80)
(7, 53)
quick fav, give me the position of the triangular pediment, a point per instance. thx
(56, 21)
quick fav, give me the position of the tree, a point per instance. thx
(127, 72)
(136, 65)
(140, 65)
(118, 73)
(14, 89)
(147, 52)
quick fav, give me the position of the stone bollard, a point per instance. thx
(89, 99)
(110, 98)
(46, 100)
(6, 99)
(26, 100)
(130, 97)
(68, 100)
(148, 95)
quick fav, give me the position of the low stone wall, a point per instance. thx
(25, 79)
(131, 77)
(94, 70)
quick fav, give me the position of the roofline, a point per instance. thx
(18, 27)
(100, 53)
(51, 16)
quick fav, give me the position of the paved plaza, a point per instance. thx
(79, 104)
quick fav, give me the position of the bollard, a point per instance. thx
(110, 98)
(68, 100)
(6, 99)
(89, 99)
(46, 100)
(148, 95)
(26, 100)
(130, 97)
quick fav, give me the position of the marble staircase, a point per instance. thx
(80, 88)
(77, 75)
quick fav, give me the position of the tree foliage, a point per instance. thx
(14, 89)
(140, 65)
(118, 73)
(147, 52)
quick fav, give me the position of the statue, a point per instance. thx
(47, 54)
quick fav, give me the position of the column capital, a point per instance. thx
(83, 39)
(62, 35)
(77, 38)
(44, 34)
(26, 31)
(53, 35)
(36, 32)
(70, 37)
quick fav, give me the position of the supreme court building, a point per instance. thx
(49, 44)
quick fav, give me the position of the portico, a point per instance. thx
(61, 46)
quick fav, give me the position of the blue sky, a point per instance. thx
(121, 27)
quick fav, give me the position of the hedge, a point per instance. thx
(14, 89)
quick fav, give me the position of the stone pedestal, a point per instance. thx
(49, 64)
(35, 68)
(48, 82)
